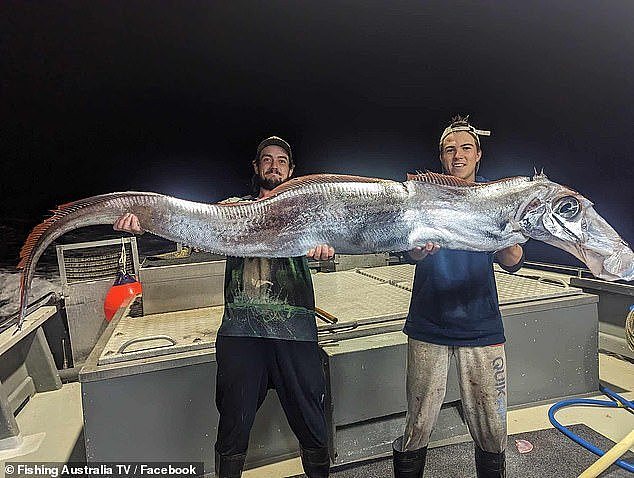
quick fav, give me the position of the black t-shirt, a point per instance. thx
(271, 298)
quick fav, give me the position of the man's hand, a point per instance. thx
(128, 223)
(322, 252)
(510, 256)
(419, 253)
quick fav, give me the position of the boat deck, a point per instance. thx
(364, 302)
(56, 418)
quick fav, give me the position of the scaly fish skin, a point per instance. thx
(360, 215)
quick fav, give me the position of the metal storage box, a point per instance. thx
(87, 271)
(615, 300)
(344, 262)
(160, 392)
(169, 286)
(551, 353)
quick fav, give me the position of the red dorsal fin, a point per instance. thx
(37, 232)
(442, 179)
(59, 213)
(32, 240)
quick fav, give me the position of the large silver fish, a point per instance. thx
(359, 215)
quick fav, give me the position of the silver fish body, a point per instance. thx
(354, 217)
(360, 215)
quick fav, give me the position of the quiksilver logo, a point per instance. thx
(499, 376)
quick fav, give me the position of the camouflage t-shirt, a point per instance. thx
(270, 298)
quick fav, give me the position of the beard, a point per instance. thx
(267, 183)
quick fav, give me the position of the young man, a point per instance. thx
(454, 312)
(268, 338)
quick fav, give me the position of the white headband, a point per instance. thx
(468, 128)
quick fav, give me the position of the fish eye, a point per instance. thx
(568, 207)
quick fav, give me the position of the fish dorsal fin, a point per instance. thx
(312, 179)
(58, 214)
(33, 238)
(442, 179)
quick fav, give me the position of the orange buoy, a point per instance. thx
(125, 287)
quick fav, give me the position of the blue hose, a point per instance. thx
(620, 402)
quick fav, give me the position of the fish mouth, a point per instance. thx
(606, 254)
(619, 265)
(597, 244)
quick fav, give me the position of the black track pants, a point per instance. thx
(247, 368)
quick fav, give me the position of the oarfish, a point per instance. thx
(361, 215)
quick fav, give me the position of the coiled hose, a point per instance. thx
(616, 402)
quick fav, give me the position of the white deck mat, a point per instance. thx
(512, 288)
(362, 296)
(188, 330)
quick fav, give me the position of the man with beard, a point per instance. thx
(268, 337)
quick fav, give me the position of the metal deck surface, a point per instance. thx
(161, 334)
(512, 288)
(362, 296)
(351, 296)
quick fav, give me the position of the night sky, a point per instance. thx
(173, 97)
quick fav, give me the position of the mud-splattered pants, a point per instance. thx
(482, 379)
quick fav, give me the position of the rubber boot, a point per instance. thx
(229, 466)
(316, 462)
(490, 465)
(408, 464)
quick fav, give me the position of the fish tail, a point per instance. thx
(104, 209)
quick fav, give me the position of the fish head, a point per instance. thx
(563, 218)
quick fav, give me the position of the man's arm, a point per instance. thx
(511, 258)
